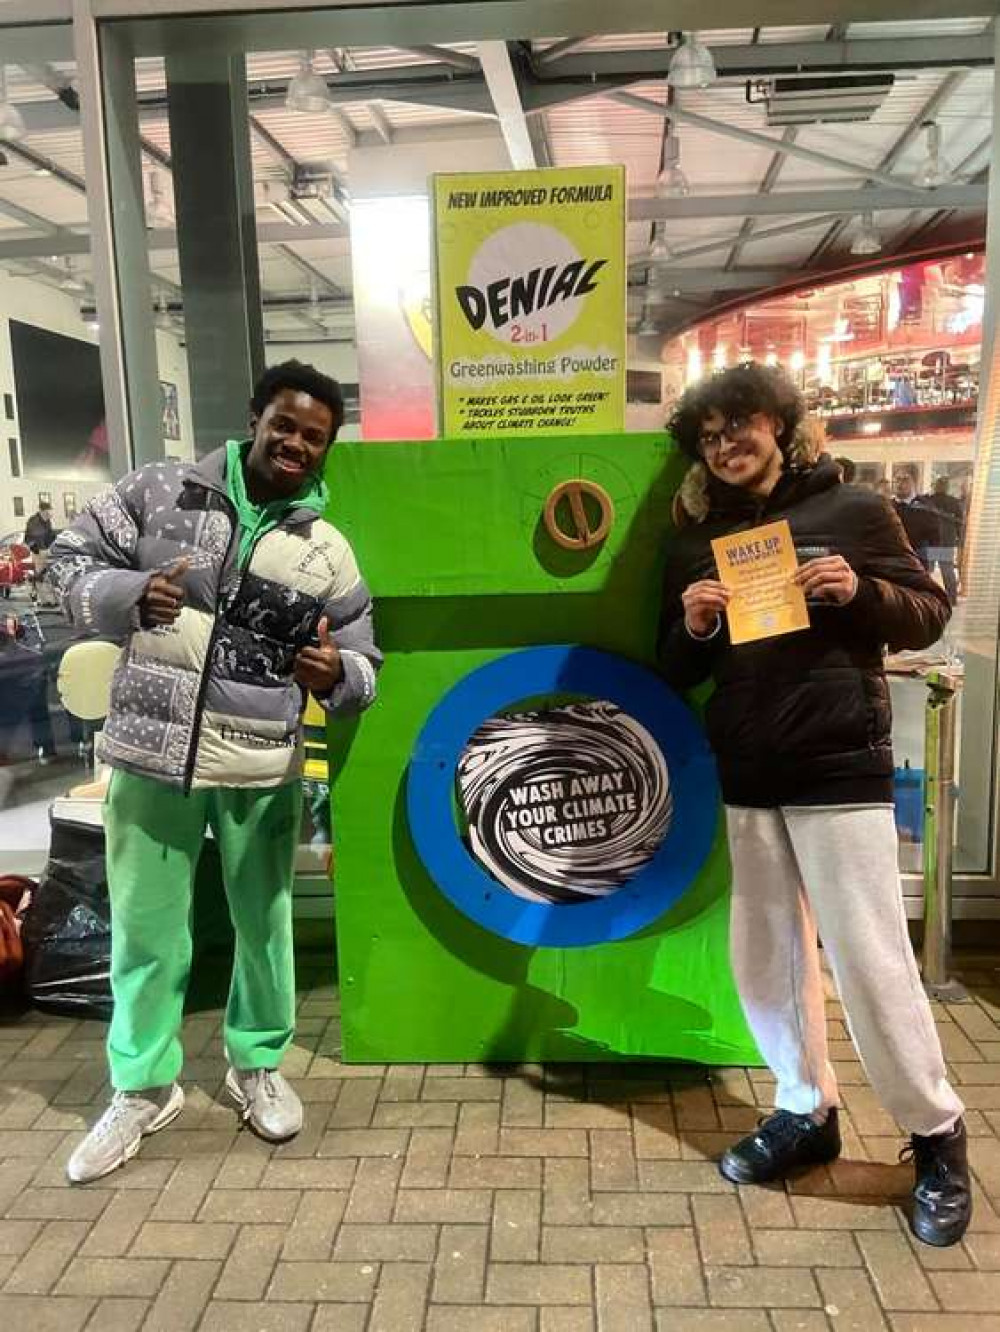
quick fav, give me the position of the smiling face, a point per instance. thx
(291, 438)
(742, 451)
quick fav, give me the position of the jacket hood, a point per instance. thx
(210, 472)
(807, 466)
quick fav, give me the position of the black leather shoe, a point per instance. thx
(942, 1196)
(781, 1145)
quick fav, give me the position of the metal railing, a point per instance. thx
(940, 734)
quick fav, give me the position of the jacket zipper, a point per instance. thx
(206, 668)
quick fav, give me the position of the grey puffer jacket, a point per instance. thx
(210, 700)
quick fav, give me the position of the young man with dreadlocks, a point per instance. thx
(801, 728)
(233, 599)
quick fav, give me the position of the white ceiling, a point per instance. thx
(592, 128)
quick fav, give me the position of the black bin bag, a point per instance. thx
(67, 929)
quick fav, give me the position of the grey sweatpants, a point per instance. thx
(835, 869)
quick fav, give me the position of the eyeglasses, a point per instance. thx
(736, 429)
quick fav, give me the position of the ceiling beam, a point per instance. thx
(151, 150)
(760, 60)
(426, 85)
(60, 241)
(444, 55)
(766, 187)
(557, 49)
(836, 33)
(694, 280)
(825, 204)
(42, 163)
(918, 224)
(590, 70)
(35, 40)
(274, 146)
(498, 71)
(964, 169)
(766, 233)
(931, 107)
(347, 125)
(383, 128)
(309, 270)
(790, 203)
(539, 134)
(34, 220)
(720, 128)
(409, 22)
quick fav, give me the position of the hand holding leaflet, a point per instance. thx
(759, 567)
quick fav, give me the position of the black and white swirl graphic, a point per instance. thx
(565, 804)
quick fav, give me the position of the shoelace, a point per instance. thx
(260, 1080)
(927, 1163)
(114, 1113)
(782, 1127)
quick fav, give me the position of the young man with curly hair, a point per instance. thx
(801, 728)
(233, 599)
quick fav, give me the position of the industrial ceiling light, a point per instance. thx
(647, 327)
(867, 241)
(307, 92)
(692, 65)
(672, 182)
(70, 280)
(934, 170)
(660, 252)
(12, 126)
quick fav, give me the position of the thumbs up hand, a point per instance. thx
(161, 602)
(319, 669)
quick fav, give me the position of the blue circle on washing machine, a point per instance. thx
(585, 790)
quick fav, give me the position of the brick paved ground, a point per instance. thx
(445, 1199)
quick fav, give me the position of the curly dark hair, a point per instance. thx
(741, 391)
(304, 379)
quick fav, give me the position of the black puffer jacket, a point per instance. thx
(805, 719)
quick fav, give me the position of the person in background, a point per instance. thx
(801, 729)
(883, 488)
(39, 535)
(233, 598)
(848, 470)
(920, 522)
(951, 519)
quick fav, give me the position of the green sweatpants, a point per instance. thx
(154, 836)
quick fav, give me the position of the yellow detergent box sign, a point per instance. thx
(530, 284)
(758, 566)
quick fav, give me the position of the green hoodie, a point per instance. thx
(257, 519)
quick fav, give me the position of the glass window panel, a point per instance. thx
(50, 370)
(891, 363)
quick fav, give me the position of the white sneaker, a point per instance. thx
(116, 1136)
(267, 1102)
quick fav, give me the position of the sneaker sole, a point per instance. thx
(166, 1116)
(235, 1094)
